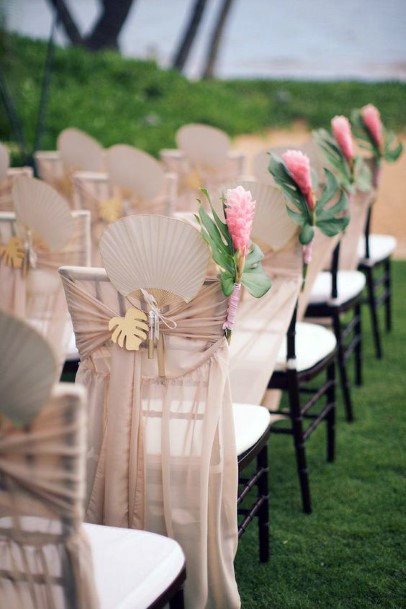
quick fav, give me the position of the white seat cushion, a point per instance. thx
(72, 354)
(132, 568)
(313, 344)
(380, 247)
(250, 423)
(349, 285)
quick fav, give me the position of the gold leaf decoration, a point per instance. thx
(13, 253)
(111, 210)
(129, 331)
(193, 180)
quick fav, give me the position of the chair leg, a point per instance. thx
(331, 416)
(298, 440)
(388, 299)
(177, 601)
(263, 514)
(374, 313)
(344, 382)
(358, 348)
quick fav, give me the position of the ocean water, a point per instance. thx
(310, 39)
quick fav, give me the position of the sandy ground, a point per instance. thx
(390, 210)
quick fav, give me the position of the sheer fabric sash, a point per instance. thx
(162, 453)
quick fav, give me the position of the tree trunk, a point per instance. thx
(67, 21)
(189, 35)
(107, 29)
(215, 39)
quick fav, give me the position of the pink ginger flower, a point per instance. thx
(298, 166)
(240, 209)
(342, 133)
(372, 121)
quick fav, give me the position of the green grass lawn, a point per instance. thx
(348, 554)
(122, 100)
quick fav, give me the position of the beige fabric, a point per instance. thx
(162, 452)
(51, 170)
(92, 190)
(359, 204)
(38, 296)
(45, 559)
(6, 199)
(193, 175)
(262, 325)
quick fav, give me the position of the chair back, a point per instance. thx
(203, 145)
(79, 151)
(135, 172)
(33, 244)
(45, 558)
(7, 175)
(262, 323)
(154, 360)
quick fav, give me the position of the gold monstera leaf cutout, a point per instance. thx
(129, 331)
(193, 180)
(111, 210)
(13, 253)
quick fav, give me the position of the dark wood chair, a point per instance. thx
(375, 253)
(336, 297)
(310, 354)
(253, 426)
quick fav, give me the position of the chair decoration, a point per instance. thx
(176, 278)
(7, 176)
(162, 453)
(45, 558)
(203, 160)
(43, 235)
(292, 174)
(138, 180)
(375, 138)
(79, 151)
(350, 169)
(27, 370)
(239, 260)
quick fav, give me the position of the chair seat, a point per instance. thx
(72, 354)
(250, 423)
(313, 344)
(349, 285)
(132, 568)
(380, 248)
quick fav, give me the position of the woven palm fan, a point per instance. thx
(42, 210)
(4, 162)
(160, 259)
(80, 151)
(28, 370)
(272, 227)
(135, 171)
(203, 144)
(165, 256)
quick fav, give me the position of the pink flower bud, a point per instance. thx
(298, 166)
(372, 121)
(342, 133)
(240, 209)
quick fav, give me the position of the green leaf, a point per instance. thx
(329, 189)
(340, 206)
(227, 283)
(222, 226)
(254, 257)
(306, 234)
(296, 217)
(334, 226)
(256, 281)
